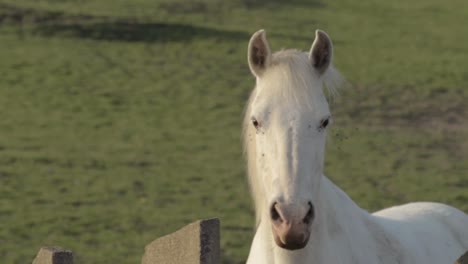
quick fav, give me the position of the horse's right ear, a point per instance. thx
(259, 53)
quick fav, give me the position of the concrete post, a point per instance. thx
(196, 243)
(53, 255)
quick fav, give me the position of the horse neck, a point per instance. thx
(341, 228)
(337, 214)
(335, 204)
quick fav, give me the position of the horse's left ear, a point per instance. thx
(321, 52)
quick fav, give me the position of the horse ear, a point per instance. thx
(321, 52)
(259, 53)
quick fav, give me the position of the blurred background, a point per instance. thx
(120, 121)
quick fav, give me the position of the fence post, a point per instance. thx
(196, 243)
(53, 255)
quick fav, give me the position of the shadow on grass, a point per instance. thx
(59, 24)
(256, 4)
(203, 6)
(133, 31)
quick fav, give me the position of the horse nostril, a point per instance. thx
(275, 216)
(310, 214)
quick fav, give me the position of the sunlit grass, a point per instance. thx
(120, 122)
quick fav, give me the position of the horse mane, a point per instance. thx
(290, 61)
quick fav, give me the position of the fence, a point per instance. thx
(196, 243)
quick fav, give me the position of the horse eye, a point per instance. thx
(324, 123)
(255, 123)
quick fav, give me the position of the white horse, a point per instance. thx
(302, 217)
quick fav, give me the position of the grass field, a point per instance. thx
(120, 120)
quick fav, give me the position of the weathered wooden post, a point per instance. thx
(53, 255)
(196, 243)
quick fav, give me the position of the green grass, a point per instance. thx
(120, 120)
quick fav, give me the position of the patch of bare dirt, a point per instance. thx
(440, 109)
